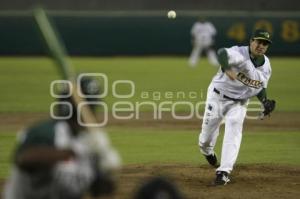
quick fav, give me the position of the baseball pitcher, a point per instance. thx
(244, 73)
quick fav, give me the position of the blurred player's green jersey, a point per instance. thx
(68, 179)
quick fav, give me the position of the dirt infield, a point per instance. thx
(254, 181)
(195, 182)
(279, 121)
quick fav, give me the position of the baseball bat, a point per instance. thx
(110, 159)
(59, 54)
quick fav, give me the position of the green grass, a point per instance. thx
(7, 144)
(181, 146)
(138, 146)
(25, 88)
(25, 80)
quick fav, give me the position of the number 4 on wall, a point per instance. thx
(237, 32)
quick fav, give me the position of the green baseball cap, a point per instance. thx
(261, 34)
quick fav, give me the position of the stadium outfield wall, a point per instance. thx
(144, 32)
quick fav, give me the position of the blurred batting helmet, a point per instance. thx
(158, 188)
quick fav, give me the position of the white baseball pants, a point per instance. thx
(220, 109)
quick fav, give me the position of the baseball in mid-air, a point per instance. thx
(171, 14)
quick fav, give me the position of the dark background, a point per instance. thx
(251, 5)
(105, 28)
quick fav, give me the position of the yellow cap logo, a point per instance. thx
(266, 34)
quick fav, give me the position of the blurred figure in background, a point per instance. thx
(203, 33)
(58, 159)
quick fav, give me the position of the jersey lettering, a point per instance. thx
(248, 81)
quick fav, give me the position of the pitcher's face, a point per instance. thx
(258, 47)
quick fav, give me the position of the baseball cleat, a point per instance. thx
(212, 160)
(221, 178)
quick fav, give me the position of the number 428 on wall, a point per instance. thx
(289, 30)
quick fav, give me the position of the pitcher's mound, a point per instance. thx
(195, 182)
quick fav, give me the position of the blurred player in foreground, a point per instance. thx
(57, 159)
(244, 73)
(203, 33)
(158, 188)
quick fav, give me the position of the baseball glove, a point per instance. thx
(269, 106)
